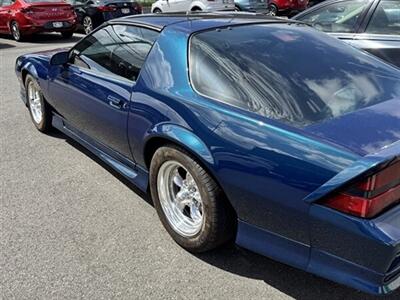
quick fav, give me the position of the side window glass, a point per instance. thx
(337, 17)
(117, 49)
(386, 18)
(129, 55)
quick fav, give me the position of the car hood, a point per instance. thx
(365, 131)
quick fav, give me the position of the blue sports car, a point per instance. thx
(243, 127)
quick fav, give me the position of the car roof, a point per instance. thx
(192, 22)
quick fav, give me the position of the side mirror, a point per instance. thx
(60, 58)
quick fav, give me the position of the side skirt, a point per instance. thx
(134, 173)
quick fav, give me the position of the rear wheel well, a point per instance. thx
(153, 144)
(196, 8)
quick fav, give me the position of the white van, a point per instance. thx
(192, 5)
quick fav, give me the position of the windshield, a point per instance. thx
(290, 73)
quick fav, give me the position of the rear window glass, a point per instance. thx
(290, 73)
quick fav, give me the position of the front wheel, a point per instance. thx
(189, 202)
(67, 34)
(38, 108)
(157, 11)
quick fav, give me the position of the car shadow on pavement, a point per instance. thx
(58, 134)
(5, 46)
(236, 260)
(46, 38)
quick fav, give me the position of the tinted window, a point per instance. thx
(337, 17)
(117, 49)
(290, 73)
(386, 18)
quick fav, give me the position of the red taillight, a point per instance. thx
(370, 196)
(107, 8)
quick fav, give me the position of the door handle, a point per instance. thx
(114, 102)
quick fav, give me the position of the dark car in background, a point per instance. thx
(259, 6)
(22, 18)
(92, 13)
(286, 7)
(371, 25)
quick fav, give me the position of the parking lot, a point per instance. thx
(71, 228)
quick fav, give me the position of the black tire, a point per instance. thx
(219, 225)
(15, 32)
(237, 8)
(157, 11)
(196, 9)
(45, 124)
(273, 10)
(67, 34)
(88, 24)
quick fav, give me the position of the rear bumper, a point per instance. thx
(362, 254)
(47, 26)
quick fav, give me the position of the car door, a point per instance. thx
(167, 5)
(340, 19)
(380, 33)
(182, 5)
(5, 14)
(92, 93)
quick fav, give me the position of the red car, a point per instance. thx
(26, 17)
(291, 7)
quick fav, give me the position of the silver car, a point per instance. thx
(372, 25)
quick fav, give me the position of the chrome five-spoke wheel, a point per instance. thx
(35, 103)
(180, 198)
(38, 108)
(190, 204)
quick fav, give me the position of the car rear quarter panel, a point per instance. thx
(264, 167)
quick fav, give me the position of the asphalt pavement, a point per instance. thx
(72, 229)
